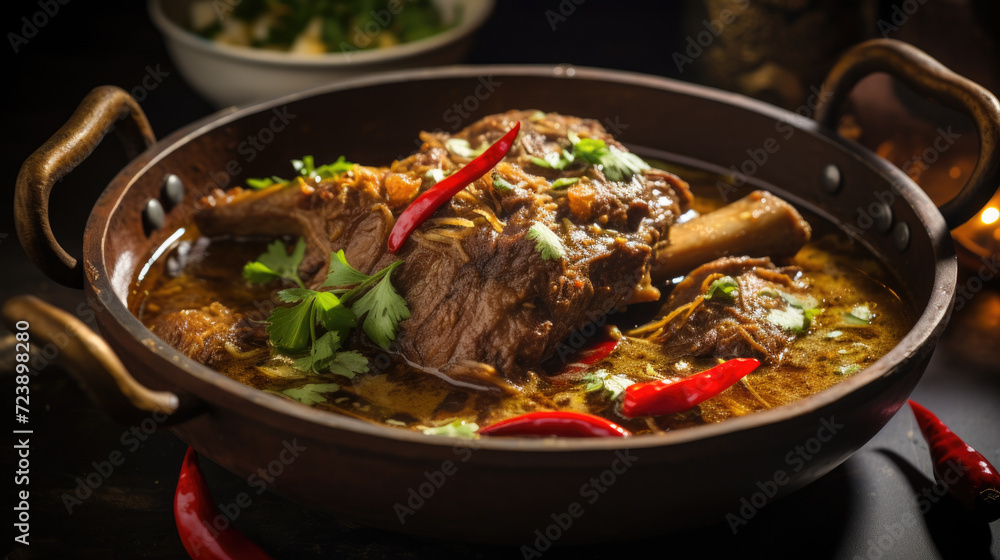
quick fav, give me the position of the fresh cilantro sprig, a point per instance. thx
(316, 326)
(546, 242)
(276, 263)
(306, 167)
(311, 393)
(616, 164)
(373, 297)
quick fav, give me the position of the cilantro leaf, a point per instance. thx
(383, 309)
(292, 295)
(724, 288)
(347, 363)
(306, 167)
(546, 242)
(331, 314)
(276, 263)
(326, 356)
(457, 428)
(311, 393)
(341, 273)
(322, 350)
(291, 328)
(616, 164)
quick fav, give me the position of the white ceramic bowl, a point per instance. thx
(229, 75)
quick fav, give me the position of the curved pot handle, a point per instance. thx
(97, 115)
(94, 364)
(926, 76)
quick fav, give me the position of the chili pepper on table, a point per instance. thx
(431, 199)
(978, 484)
(668, 396)
(555, 423)
(195, 513)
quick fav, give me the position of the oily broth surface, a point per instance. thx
(195, 272)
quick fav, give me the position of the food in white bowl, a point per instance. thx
(305, 27)
(229, 73)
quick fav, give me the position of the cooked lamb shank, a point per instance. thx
(484, 300)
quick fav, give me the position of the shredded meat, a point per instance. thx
(737, 327)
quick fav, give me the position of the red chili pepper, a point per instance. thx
(978, 484)
(556, 423)
(591, 356)
(196, 513)
(431, 199)
(667, 396)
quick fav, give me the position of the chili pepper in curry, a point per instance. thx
(555, 423)
(431, 199)
(978, 484)
(195, 512)
(668, 396)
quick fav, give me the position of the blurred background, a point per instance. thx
(774, 50)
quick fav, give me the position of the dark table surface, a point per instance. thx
(872, 506)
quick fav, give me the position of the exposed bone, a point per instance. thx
(757, 225)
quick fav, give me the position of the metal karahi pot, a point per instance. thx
(502, 490)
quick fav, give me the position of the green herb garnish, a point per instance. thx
(724, 288)
(320, 321)
(791, 319)
(306, 167)
(457, 428)
(554, 160)
(311, 393)
(564, 182)
(798, 315)
(374, 297)
(616, 164)
(849, 369)
(461, 148)
(546, 242)
(501, 184)
(276, 263)
(860, 316)
(266, 182)
(613, 385)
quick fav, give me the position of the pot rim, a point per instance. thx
(912, 346)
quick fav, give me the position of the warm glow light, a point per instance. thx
(955, 172)
(990, 215)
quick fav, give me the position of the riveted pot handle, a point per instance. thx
(94, 365)
(929, 77)
(98, 114)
